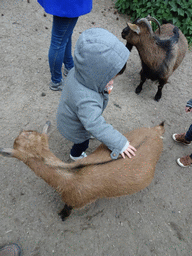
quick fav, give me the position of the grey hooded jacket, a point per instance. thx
(98, 57)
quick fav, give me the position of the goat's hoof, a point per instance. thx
(138, 90)
(62, 216)
(157, 98)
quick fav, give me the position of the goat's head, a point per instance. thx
(29, 144)
(133, 32)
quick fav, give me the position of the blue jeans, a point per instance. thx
(188, 135)
(60, 48)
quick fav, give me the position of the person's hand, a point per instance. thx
(130, 151)
(188, 109)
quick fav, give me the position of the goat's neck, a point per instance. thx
(150, 53)
(53, 176)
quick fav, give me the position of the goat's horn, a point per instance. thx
(149, 18)
(147, 23)
(8, 152)
(46, 127)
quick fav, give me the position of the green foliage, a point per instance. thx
(179, 12)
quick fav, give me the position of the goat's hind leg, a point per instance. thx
(65, 212)
(140, 86)
(159, 91)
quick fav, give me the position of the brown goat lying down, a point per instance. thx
(161, 52)
(95, 176)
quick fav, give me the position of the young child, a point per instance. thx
(98, 58)
(186, 139)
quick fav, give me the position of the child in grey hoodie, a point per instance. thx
(98, 58)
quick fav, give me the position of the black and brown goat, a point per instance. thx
(95, 176)
(161, 52)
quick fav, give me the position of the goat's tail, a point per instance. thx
(162, 123)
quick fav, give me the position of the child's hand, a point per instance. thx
(188, 109)
(129, 151)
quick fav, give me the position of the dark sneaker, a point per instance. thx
(181, 138)
(10, 250)
(185, 161)
(57, 86)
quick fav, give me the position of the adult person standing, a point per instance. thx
(65, 15)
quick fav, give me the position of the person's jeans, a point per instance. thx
(188, 135)
(60, 47)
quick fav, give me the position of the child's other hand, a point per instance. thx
(188, 109)
(130, 151)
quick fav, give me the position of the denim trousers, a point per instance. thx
(188, 135)
(60, 47)
(78, 149)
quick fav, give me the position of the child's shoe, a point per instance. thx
(181, 138)
(75, 158)
(65, 72)
(56, 86)
(185, 161)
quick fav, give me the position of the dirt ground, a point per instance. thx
(155, 221)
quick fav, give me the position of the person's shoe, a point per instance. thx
(181, 138)
(56, 86)
(185, 161)
(10, 250)
(65, 72)
(75, 158)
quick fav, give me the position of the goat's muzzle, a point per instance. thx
(125, 32)
(123, 35)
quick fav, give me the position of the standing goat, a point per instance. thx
(95, 176)
(161, 52)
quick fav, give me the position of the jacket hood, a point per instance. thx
(99, 56)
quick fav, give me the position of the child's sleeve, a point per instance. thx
(90, 115)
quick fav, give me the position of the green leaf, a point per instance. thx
(173, 6)
(181, 12)
(148, 4)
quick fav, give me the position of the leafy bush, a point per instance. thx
(179, 12)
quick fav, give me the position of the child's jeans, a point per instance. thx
(188, 135)
(60, 48)
(78, 149)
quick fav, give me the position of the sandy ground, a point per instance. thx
(155, 221)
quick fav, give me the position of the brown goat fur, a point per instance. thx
(161, 52)
(97, 175)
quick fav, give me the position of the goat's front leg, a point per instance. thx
(140, 86)
(65, 212)
(159, 92)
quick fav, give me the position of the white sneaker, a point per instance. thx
(65, 72)
(75, 158)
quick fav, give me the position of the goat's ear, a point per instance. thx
(134, 27)
(46, 127)
(8, 152)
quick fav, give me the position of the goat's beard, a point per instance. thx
(129, 46)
